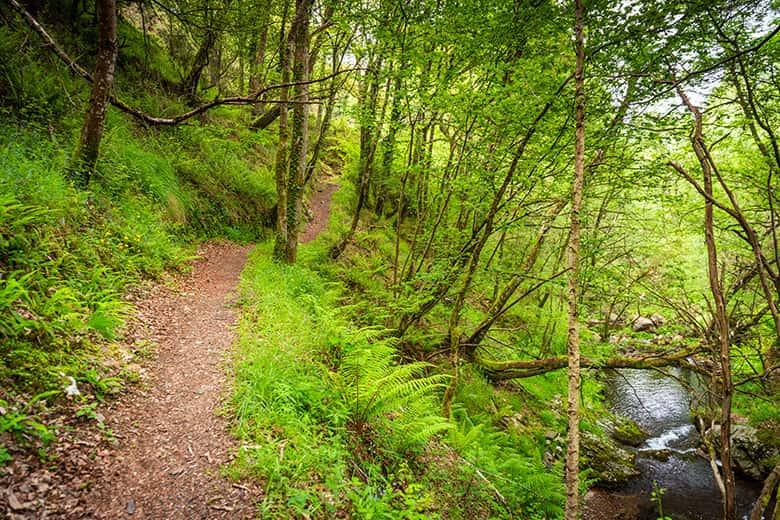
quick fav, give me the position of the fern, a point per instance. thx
(383, 394)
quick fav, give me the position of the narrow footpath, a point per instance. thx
(172, 440)
(163, 443)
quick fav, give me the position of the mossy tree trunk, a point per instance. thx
(281, 148)
(299, 44)
(87, 150)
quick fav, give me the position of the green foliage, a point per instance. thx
(657, 496)
(381, 394)
(20, 424)
(318, 401)
(68, 256)
(5, 457)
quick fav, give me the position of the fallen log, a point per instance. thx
(513, 369)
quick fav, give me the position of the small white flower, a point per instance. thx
(72, 390)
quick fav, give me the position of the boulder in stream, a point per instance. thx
(752, 457)
(611, 464)
(626, 431)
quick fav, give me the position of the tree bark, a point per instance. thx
(768, 489)
(299, 42)
(573, 335)
(189, 85)
(87, 150)
(259, 44)
(518, 369)
(720, 317)
(280, 170)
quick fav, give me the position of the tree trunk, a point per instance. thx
(388, 147)
(191, 81)
(368, 143)
(573, 335)
(256, 62)
(767, 491)
(87, 150)
(299, 41)
(720, 317)
(280, 170)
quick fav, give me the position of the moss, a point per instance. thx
(626, 431)
(610, 464)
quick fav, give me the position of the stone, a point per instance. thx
(752, 457)
(661, 454)
(626, 431)
(643, 324)
(611, 464)
(658, 320)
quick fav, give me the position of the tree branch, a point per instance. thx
(78, 70)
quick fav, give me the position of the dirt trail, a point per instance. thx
(171, 440)
(320, 209)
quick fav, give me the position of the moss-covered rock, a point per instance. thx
(626, 431)
(611, 464)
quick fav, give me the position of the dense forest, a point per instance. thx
(390, 259)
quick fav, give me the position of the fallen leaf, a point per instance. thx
(14, 503)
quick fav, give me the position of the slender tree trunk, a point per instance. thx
(388, 147)
(368, 143)
(299, 38)
(573, 336)
(720, 317)
(256, 62)
(280, 170)
(191, 81)
(722, 325)
(327, 114)
(87, 150)
(721, 320)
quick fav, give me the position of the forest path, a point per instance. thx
(320, 209)
(172, 441)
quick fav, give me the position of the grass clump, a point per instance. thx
(326, 415)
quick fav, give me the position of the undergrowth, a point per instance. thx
(333, 422)
(68, 256)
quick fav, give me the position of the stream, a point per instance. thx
(661, 406)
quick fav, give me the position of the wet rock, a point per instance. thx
(752, 457)
(627, 432)
(658, 320)
(660, 454)
(643, 324)
(611, 464)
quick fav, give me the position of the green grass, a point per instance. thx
(325, 414)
